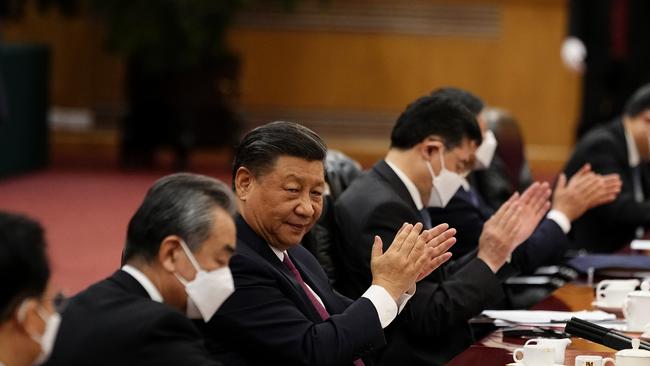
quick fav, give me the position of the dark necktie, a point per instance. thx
(426, 219)
(314, 301)
(619, 18)
(638, 194)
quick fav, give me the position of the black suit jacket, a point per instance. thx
(434, 327)
(590, 21)
(269, 320)
(467, 212)
(115, 322)
(608, 227)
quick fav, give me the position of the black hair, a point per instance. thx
(261, 147)
(638, 102)
(179, 204)
(24, 267)
(469, 100)
(437, 115)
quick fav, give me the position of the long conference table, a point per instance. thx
(494, 349)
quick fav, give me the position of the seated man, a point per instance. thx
(431, 134)
(178, 245)
(621, 147)
(468, 212)
(28, 322)
(283, 311)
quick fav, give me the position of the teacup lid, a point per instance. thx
(634, 351)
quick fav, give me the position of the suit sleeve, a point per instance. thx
(439, 303)
(260, 316)
(624, 209)
(437, 307)
(173, 340)
(546, 246)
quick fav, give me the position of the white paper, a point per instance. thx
(544, 316)
(640, 244)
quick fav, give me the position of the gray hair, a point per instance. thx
(179, 204)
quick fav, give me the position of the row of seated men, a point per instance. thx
(211, 276)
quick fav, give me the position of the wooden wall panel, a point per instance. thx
(360, 72)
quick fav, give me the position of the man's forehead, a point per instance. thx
(291, 167)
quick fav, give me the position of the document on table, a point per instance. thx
(544, 317)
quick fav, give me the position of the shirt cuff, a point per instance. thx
(560, 219)
(401, 302)
(386, 307)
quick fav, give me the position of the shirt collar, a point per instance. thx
(144, 281)
(410, 186)
(279, 253)
(632, 150)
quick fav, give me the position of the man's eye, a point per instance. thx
(292, 190)
(317, 193)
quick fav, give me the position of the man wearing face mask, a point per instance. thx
(468, 212)
(621, 147)
(432, 136)
(28, 322)
(178, 246)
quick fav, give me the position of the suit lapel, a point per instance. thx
(310, 276)
(260, 247)
(128, 283)
(388, 174)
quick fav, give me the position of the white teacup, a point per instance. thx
(633, 356)
(588, 360)
(636, 309)
(534, 355)
(612, 293)
(559, 345)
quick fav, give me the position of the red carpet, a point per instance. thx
(85, 215)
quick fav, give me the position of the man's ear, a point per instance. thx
(169, 252)
(27, 318)
(428, 146)
(244, 179)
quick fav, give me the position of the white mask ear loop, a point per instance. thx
(190, 256)
(22, 314)
(442, 161)
(442, 164)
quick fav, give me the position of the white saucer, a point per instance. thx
(607, 308)
(521, 364)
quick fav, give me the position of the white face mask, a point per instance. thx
(47, 339)
(445, 185)
(207, 291)
(485, 152)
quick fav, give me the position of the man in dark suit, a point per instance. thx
(284, 311)
(607, 41)
(467, 211)
(621, 147)
(432, 137)
(28, 322)
(179, 243)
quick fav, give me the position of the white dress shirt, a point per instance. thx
(143, 280)
(632, 150)
(408, 183)
(387, 308)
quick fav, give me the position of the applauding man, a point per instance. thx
(283, 311)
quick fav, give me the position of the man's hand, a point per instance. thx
(499, 236)
(583, 191)
(442, 238)
(412, 255)
(534, 205)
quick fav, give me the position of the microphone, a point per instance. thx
(601, 335)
